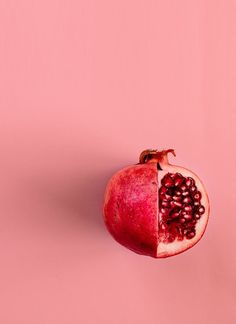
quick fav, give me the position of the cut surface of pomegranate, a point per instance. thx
(155, 208)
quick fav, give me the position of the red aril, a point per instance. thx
(155, 208)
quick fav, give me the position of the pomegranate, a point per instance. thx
(155, 208)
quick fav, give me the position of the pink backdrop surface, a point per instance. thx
(84, 87)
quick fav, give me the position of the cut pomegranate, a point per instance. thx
(155, 208)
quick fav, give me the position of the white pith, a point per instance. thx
(168, 249)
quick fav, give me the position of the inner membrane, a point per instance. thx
(180, 208)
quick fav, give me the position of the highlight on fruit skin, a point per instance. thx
(155, 208)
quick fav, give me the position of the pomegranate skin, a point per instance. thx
(130, 208)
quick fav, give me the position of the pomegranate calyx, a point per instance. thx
(155, 156)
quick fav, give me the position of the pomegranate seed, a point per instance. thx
(190, 235)
(192, 223)
(197, 196)
(197, 216)
(183, 187)
(171, 239)
(188, 216)
(182, 220)
(189, 182)
(177, 203)
(185, 193)
(201, 210)
(162, 190)
(174, 214)
(164, 211)
(165, 203)
(187, 200)
(188, 208)
(193, 188)
(163, 226)
(196, 204)
(177, 192)
(172, 204)
(167, 181)
(178, 230)
(177, 198)
(167, 197)
(178, 179)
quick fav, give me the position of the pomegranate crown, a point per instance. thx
(153, 154)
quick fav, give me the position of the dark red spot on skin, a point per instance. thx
(184, 207)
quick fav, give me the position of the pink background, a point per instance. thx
(84, 87)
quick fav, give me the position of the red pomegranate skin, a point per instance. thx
(130, 208)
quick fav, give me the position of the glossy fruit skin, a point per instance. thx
(131, 207)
